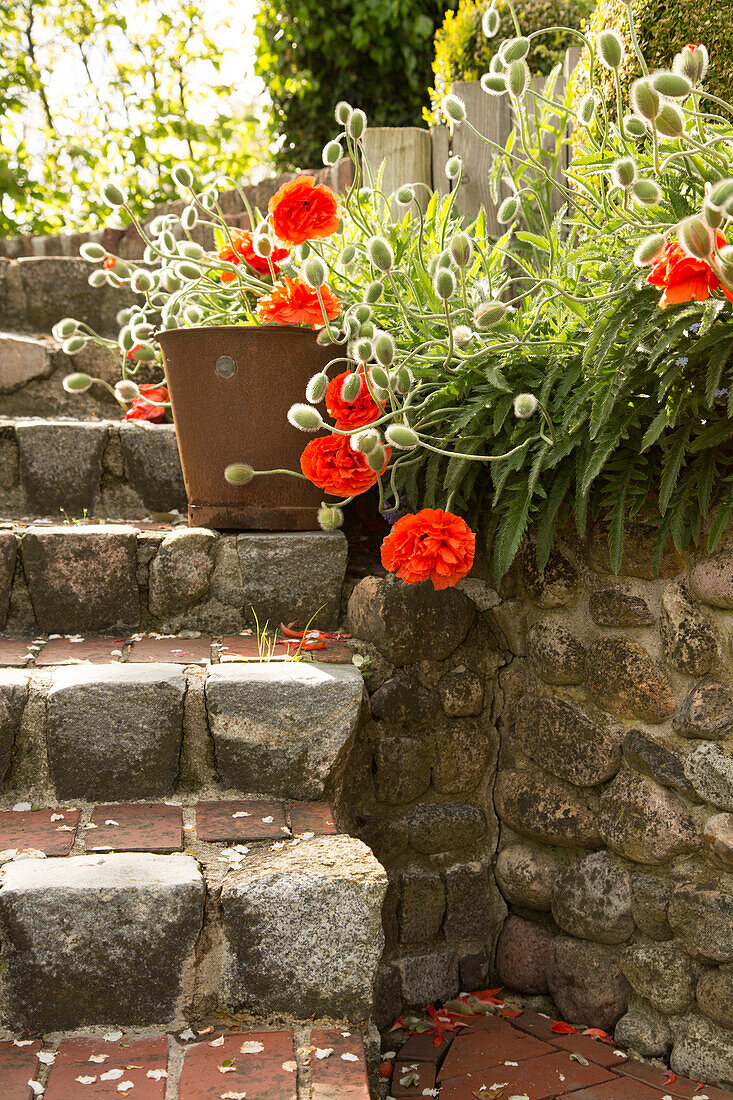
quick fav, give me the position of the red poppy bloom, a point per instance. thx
(302, 210)
(431, 545)
(141, 408)
(683, 277)
(243, 250)
(351, 414)
(293, 302)
(330, 463)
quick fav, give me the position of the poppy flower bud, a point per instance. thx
(65, 327)
(645, 99)
(402, 437)
(646, 192)
(143, 330)
(92, 251)
(98, 278)
(182, 176)
(453, 167)
(330, 518)
(169, 280)
(634, 127)
(167, 241)
(713, 215)
(377, 458)
(610, 49)
(356, 124)
(374, 292)
(721, 194)
(113, 194)
(647, 252)
(692, 62)
(671, 84)
(191, 250)
(493, 83)
(517, 78)
(126, 390)
(316, 388)
(363, 350)
(238, 473)
(403, 380)
(384, 349)
(623, 172)
(444, 283)
(367, 329)
(514, 49)
(496, 65)
(363, 313)
(380, 253)
(695, 237)
(453, 108)
(348, 254)
(262, 245)
(142, 281)
(404, 195)
(490, 22)
(489, 314)
(351, 387)
(525, 406)
(305, 417)
(77, 383)
(72, 344)
(379, 377)
(342, 112)
(508, 210)
(143, 353)
(365, 441)
(331, 153)
(189, 217)
(726, 258)
(193, 315)
(188, 271)
(125, 338)
(461, 249)
(587, 109)
(462, 335)
(314, 271)
(670, 121)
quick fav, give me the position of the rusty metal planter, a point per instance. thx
(230, 389)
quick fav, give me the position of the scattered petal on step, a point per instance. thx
(251, 1046)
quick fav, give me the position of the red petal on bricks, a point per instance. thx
(561, 1028)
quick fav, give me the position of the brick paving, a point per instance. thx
(126, 827)
(18, 1066)
(99, 1068)
(49, 831)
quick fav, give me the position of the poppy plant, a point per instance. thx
(141, 407)
(683, 278)
(331, 464)
(302, 210)
(293, 302)
(431, 545)
(242, 249)
(348, 415)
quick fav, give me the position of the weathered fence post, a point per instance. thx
(409, 155)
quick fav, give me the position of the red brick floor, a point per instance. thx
(135, 827)
(49, 831)
(136, 1069)
(240, 820)
(18, 1066)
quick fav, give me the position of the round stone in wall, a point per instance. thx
(586, 983)
(706, 712)
(615, 607)
(712, 581)
(662, 974)
(689, 640)
(556, 653)
(717, 842)
(710, 770)
(521, 956)
(526, 874)
(544, 808)
(591, 899)
(563, 739)
(644, 1031)
(715, 995)
(557, 585)
(623, 678)
(642, 821)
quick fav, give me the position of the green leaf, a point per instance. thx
(718, 525)
(671, 466)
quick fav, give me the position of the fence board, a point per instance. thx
(409, 154)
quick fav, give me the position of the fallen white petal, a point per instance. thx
(57, 817)
(267, 820)
(111, 821)
(86, 1080)
(125, 1086)
(242, 813)
(187, 1035)
(47, 1057)
(156, 1074)
(349, 1058)
(217, 1042)
(112, 1075)
(23, 1042)
(251, 1046)
(233, 1095)
(112, 1036)
(290, 1067)
(98, 1057)
(37, 1087)
(324, 1052)
(19, 806)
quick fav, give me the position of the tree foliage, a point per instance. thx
(374, 53)
(88, 91)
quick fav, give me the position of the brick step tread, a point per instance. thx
(158, 827)
(521, 1056)
(310, 1064)
(88, 467)
(121, 578)
(58, 650)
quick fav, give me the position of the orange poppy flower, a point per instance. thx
(683, 277)
(243, 250)
(142, 409)
(431, 545)
(302, 210)
(293, 302)
(351, 414)
(330, 463)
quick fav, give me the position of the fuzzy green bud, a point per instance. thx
(365, 440)
(191, 250)
(142, 281)
(489, 314)
(356, 124)
(77, 383)
(403, 380)
(671, 84)
(633, 127)
(366, 328)
(647, 252)
(721, 194)
(167, 241)
(623, 172)
(645, 99)
(517, 78)
(587, 109)
(377, 459)
(380, 253)
(646, 192)
(363, 313)
(493, 83)
(384, 349)
(98, 278)
(453, 167)
(402, 437)
(238, 473)
(453, 108)
(73, 344)
(490, 22)
(169, 280)
(316, 388)
(348, 254)
(64, 328)
(126, 390)
(330, 518)
(92, 252)
(188, 271)
(514, 49)
(695, 237)
(525, 406)
(713, 215)
(404, 195)
(331, 153)
(143, 353)
(461, 249)
(374, 292)
(692, 63)
(342, 112)
(351, 387)
(314, 271)
(508, 210)
(113, 194)
(670, 121)
(182, 176)
(305, 417)
(444, 283)
(189, 217)
(262, 244)
(610, 49)
(462, 336)
(379, 377)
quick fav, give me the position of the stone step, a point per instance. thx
(117, 731)
(110, 578)
(301, 1063)
(290, 928)
(38, 291)
(71, 469)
